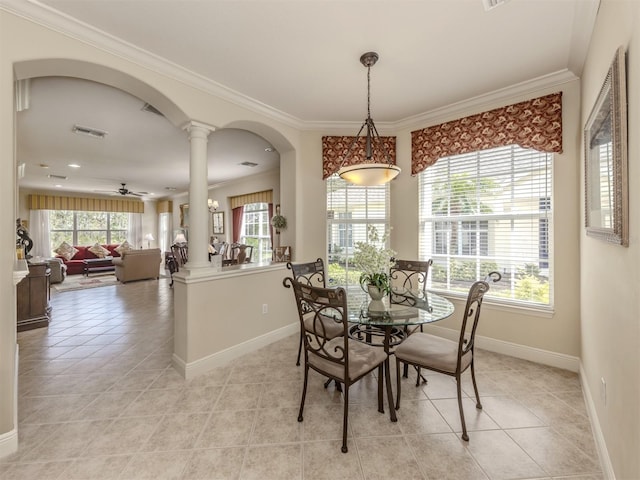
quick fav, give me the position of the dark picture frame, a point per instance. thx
(605, 162)
(217, 221)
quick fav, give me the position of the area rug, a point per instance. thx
(80, 282)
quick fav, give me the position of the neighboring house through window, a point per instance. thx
(489, 210)
(350, 209)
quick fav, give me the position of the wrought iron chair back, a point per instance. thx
(310, 273)
(409, 274)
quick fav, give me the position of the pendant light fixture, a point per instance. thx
(369, 174)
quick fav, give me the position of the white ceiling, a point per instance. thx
(297, 59)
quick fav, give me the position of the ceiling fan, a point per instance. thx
(123, 190)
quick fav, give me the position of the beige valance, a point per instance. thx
(85, 204)
(265, 196)
(535, 124)
(334, 149)
(164, 206)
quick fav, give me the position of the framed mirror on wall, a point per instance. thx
(184, 215)
(605, 147)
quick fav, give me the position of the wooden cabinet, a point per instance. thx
(33, 297)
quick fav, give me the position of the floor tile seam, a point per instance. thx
(549, 474)
(595, 459)
(414, 455)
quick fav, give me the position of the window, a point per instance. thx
(255, 230)
(87, 228)
(350, 209)
(489, 210)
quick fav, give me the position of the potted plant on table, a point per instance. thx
(374, 259)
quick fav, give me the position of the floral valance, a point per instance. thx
(334, 149)
(85, 204)
(535, 124)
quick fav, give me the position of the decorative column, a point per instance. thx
(198, 195)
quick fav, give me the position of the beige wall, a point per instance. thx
(610, 274)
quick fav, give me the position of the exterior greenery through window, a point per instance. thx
(255, 230)
(350, 210)
(87, 228)
(490, 210)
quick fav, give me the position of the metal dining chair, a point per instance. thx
(341, 359)
(312, 273)
(445, 356)
(412, 275)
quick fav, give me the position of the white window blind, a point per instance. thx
(350, 210)
(490, 210)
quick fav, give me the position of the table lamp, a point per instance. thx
(149, 238)
(180, 238)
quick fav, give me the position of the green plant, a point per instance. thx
(373, 259)
(279, 222)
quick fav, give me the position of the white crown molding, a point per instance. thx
(44, 15)
(480, 103)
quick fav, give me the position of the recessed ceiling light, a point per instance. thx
(269, 149)
(59, 177)
(73, 165)
(58, 186)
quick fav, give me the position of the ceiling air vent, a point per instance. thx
(59, 177)
(91, 132)
(150, 108)
(490, 4)
(249, 164)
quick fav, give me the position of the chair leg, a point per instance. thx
(380, 395)
(475, 386)
(465, 437)
(304, 392)
(345, 418)
(398, 387)
(300, 349)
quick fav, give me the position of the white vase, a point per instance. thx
(375, 293)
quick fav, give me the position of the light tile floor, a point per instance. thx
(98, 399)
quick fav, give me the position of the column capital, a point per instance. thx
(198, 129)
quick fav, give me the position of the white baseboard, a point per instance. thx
(8, 443)
(553, 359)
(9, 440)
(601, 446)
(203, 365)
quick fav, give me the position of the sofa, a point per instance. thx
(138, 264)
(75, 265)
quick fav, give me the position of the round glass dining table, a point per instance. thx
(384, 322)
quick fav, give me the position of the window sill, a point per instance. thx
(493, 304)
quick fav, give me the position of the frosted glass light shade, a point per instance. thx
(369, 174)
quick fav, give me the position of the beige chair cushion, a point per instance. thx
(433, 352)
(332, 329)
(362, 358)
